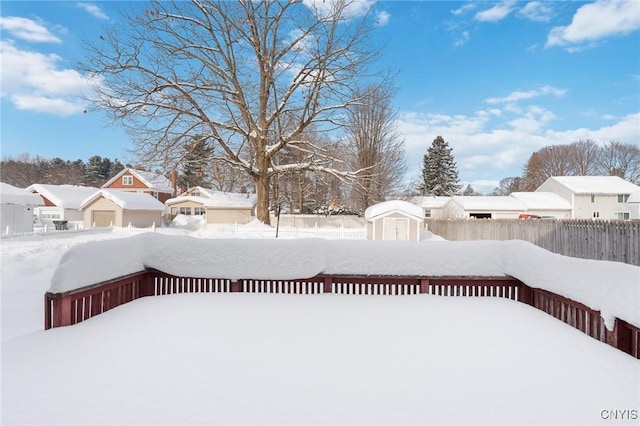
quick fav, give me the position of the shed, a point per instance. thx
(16, 209)
(394, 220)
(61, 202)
(109, 207)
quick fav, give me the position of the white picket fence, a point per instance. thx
(313, 232)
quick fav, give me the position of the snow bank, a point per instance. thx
(611, 287)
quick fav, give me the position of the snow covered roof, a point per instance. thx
(393, 205)
(126, 200)
(595, 184)
(489, 203)
(65, 196)
(433, 202)
(217, 199)
(153, 181)
(542, 200)
(10, 194)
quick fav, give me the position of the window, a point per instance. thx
(593, 198)
(155, 194)
(199, 211)
(623, 198)
(127, 180)
(427, 213)
(623, 215)
(596, 215)
(185, 211)
(195, 194)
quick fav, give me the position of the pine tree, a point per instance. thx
(196, 166)
(439, 170)
(469, 191)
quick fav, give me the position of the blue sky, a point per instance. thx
(498, 80)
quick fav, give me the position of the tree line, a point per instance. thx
(26, 170)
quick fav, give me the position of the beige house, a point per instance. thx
(109, 207)
(215, 206)
(394, 220)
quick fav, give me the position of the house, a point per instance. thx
(132, 180)
(595, 197)
(433, 206)
(16, 209)
(394, 220)
(108, 207)
(487, 207)
(61, 202)
(544, 204)
(215, 206)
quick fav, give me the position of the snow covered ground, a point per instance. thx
(292, 359)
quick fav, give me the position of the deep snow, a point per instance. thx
(292, 359)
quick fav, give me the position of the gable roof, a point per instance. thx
(151, 180)
(430, 202)
(542, 200)
(595, 184)
(489, 202)
(126, 200)
(386, 207)
(64, 196)
(10, 194)
(212, 198)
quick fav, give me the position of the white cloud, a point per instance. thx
(491, 145)
(463, 9)
(33, 81)
(496, 13)
(382, 18)
(93, 10)
(464, 37)
(536, 11)
(517, 96)
(598, 20)
(27, 29)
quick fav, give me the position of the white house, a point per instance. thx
(545, 204)
(432, 205)
(395, 220)
(16, 209)
(487, 207)
(61, 202)
(216, 206)
(595, 197)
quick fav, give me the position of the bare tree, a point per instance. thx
(584, 155)
(509, 185)
(620, 159)
(233, 71)
(374, 146)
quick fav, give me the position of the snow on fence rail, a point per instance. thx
(74, 306)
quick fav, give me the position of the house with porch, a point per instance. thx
(215, 206)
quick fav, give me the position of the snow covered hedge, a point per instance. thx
(612, 288)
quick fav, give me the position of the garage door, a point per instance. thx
(104, 218)
(396, 229)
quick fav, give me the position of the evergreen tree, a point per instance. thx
(469, 191)
(439, 170)
(196, 165)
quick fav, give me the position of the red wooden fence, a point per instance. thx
(75, 306)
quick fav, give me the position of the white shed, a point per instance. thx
(394, 220)
(17, 204)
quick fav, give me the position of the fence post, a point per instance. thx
(525, 294)
(619, 337)
(328, 284)
(236, 286)
(424, 286)
(61, 311)
(47, 311)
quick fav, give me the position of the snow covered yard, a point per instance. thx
(293, 359)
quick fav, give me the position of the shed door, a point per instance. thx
(396, 229)
(104, 218)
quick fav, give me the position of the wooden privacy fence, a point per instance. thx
(75, 306)
(616, 240)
